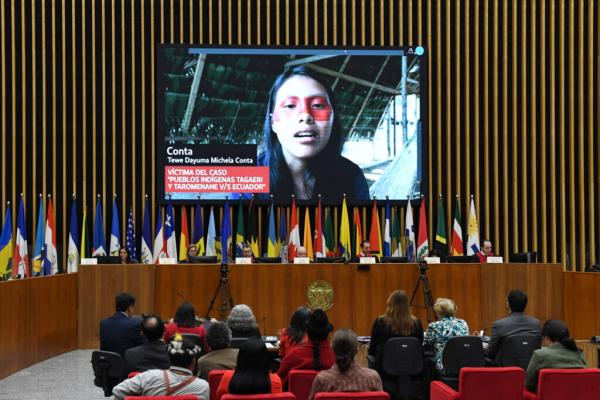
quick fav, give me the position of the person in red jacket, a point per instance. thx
(185, 322)
(316, 354)
(486, 251)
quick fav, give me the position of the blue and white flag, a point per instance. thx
(99, 245)
(115, 231)
(73, 249)
(21, 259)
(387, 237)
(409, 229)
(130, 244)
(171, 249)
(159, 238)
(211, 235)
(146, 251)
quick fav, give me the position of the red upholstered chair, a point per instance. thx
(300, 382)
(352, 396)
(132, 374)
(214, 379)
(268, 396)
(180, 397)
(573, 384)
(483, 383)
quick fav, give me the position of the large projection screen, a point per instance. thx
(271, 122)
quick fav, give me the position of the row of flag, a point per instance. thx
(320, 242)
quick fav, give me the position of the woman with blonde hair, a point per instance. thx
(444, 328)
(397, 321)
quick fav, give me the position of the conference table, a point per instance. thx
(46, 316)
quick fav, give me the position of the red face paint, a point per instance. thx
(316, 106)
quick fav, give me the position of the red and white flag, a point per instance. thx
(294, 241)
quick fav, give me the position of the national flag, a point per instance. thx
(115, 231)
(375, 235)
(36, 261)
(85, 237)
(308, 236)
(6, 247)
(253, 228)
(170, 240)
(271, 240)
(319, 245)
(225, 232)
(159, 239)
(211, 235)
(146, 248)
(457, 241)
(282, 238)
(356, 232)
(73, 249)
(387, 236)
(21, 258)
(99, 247)
(294, 241)
(198, 229)
(396, 234)
(345, 245)
(240, 234)
(423, 241)
(330, 247)
(409, 231)
(441, 242)
(130, 239)
(473, 238)
(50, 265)
(184, 235)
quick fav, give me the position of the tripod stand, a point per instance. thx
(427, 297)
(224, 292)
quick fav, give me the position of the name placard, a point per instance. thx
(243, 260)
(495, 260)
(367, 260)
(301, 260)
(432, 260)
(89, 261)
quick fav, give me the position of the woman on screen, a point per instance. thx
(303, 142)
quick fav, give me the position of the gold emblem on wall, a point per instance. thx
(319, 295)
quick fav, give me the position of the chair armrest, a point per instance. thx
(441, 391)
(527, 395)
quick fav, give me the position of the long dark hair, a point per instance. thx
(251, 374)
(185, 316)
(297, 328)
(279, 173)
(557, 331)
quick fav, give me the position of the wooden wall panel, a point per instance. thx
(39, 319)
(97, 287)
(512, 118)
(581, 298)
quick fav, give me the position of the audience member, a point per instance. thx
(486, 251)
(185, 322)
(559, 351)
(150, 355)
(221, 355)
(516, 323)
(440, 331)
(242, 322)
(295, 333)
(346, 375)
(251, 375)
(397, 321)
(177, 380)
(120, 332)
(316, 354)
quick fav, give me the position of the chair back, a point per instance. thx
(178, 397)
(402, 357)
(214, 380)
(502, 383)
(109, 370)
(460, 352)
(352, 395)
(300, 382)
(266, 396)
(518, 349)
(580, 384)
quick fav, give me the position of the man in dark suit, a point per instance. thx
(120, 332)
(150, 355)
(516, 323)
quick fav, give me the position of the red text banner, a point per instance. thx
(182, 179)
